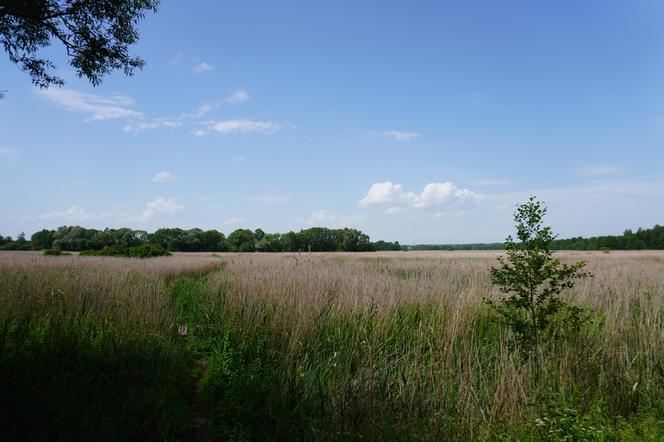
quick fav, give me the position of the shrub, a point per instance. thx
(147, 251)
(142, 251)
(105, 251)
(55, 252)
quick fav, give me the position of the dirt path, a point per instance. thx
(201, 430)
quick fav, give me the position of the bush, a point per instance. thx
(105, 251)
(147, 251)
(142, 251)
(55, 252)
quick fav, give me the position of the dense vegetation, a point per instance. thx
(345, 347)
(642, 239)
(315, 239)
(142, 251)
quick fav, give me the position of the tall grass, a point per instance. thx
(390, 346)
(403, 347)
(90, 352)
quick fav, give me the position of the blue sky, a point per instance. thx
(418, 121)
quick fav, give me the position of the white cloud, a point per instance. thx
(272, 198)
(202, 67)
(398, 135)
(442, 194)
(448, 213)
(239, 96)
(232, 221)
(434, 195)
(392, 210)
(242, 126)
(199, 132)
(387, 192)
(8, 152)
(177, 59)
(155, 123)
(205, 108)
(325, 218)
(159, 206)
(598, 170)
(74, 214)
(171, 122)
(163, 177)
(97, 106)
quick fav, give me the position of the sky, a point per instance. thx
(422, 122)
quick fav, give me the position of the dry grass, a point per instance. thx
(131, 294)
(181, 264)
(392, 344)
(448, 360)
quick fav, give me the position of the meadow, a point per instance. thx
(320, 346)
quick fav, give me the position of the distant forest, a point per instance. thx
(629, 240)
(316, 239)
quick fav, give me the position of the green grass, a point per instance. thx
(100, 356)
(78, 378)
(363, 376)
(86, 362)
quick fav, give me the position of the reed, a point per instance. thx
(332, 346)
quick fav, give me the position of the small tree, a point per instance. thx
(533, 280)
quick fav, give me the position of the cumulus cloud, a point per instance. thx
(398, 135)
(434, 195)
(387, 192)
(239, 96)
(442, 194)
(161, 205)
(202, 68)
(98, 107)
(598, 170)
(163, 177)
(242, 126)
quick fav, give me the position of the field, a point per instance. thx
(330, 346)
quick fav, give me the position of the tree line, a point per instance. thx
(315, 239)
(642, 239)
(652, 238)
